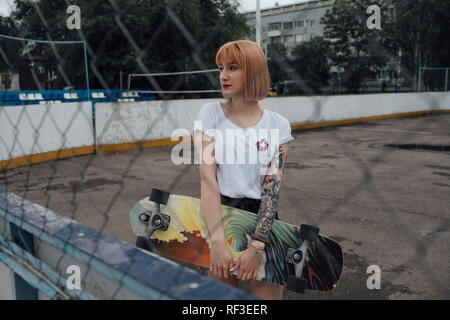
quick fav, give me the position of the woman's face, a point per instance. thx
(231, 79)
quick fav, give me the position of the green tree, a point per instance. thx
(277, 62)
(137, 36)
(354, 49)
(9, 49)
(310, 62)
(419, 30)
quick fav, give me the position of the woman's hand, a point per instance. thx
(220, 260)
(248, 264)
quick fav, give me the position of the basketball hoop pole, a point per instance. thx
(258, 23)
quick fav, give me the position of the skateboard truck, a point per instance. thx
(299, 257)
(155, 220)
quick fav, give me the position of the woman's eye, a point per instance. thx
(229, 68)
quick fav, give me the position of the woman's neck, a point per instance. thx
(239, 107)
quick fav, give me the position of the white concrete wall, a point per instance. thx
(301, 110)
(149, 120)
(145, 120)
(32, 129)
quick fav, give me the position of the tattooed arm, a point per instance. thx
(248, 263)
(269, 195)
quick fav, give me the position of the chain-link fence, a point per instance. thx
(81, 130)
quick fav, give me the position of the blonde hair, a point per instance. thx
(251, 58)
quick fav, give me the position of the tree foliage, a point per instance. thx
(137, 36)
(420, 32)
(9, 59)
(278, 63)
(310, 63)
(354, 49)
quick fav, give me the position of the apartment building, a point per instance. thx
(299, 22)
(290, 24)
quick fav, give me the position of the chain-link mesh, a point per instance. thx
(73, 186)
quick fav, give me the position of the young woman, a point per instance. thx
(250, 185)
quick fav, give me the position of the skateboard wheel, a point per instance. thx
(308, 232)
(159, 196)
(296, 284)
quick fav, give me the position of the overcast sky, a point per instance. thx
(246, 5)
(5, 7)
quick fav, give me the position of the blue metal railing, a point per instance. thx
(140, 273)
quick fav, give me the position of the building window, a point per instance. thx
(313, 22)
(276, 40)
(299, 38)
(299, 24)
(287, 25)
(288, 39)
(275, 26)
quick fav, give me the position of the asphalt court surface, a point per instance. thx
(386, 207)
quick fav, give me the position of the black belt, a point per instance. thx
(247, 204)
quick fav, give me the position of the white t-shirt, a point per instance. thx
(243, 155)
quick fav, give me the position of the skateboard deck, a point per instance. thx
(187, 239)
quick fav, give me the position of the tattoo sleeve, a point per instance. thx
(269, 195)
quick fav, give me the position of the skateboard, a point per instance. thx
(299, 257)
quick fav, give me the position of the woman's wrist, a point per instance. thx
(258, 245)
(217, 239)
